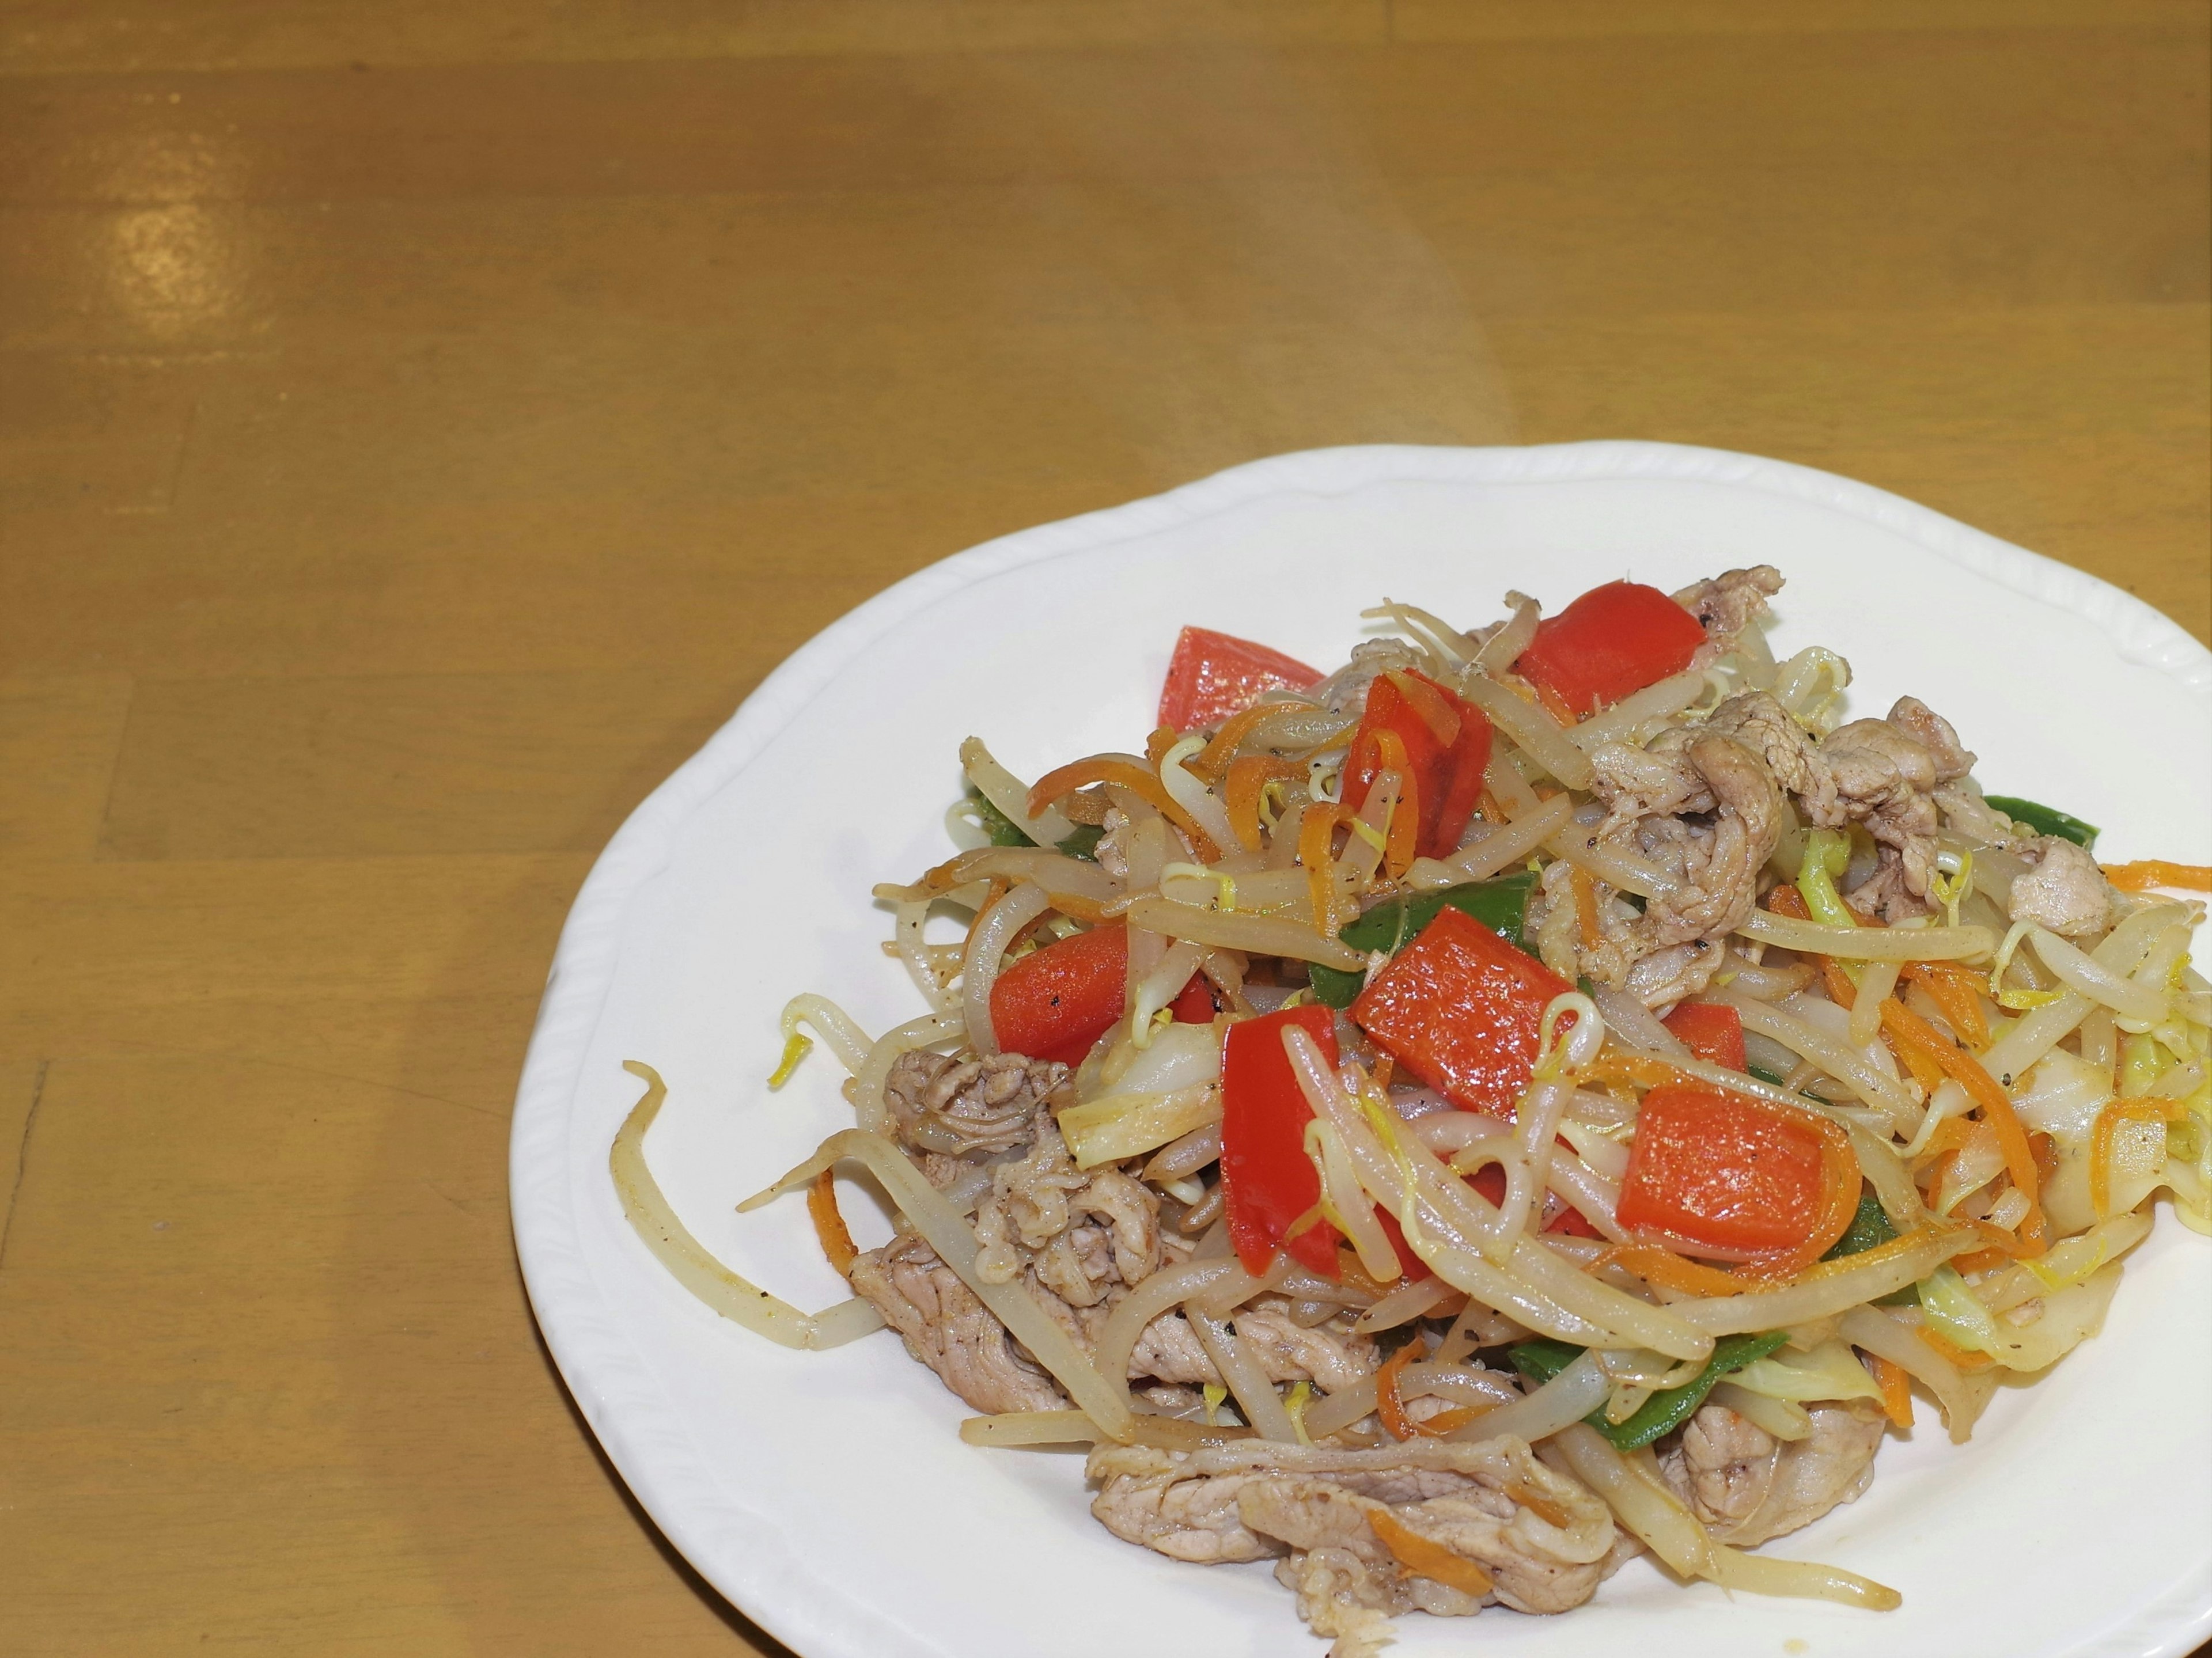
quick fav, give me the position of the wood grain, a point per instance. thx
(420, 425)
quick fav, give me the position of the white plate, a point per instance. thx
(827, 1495)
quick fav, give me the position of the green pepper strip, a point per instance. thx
(1870, 1227)
(1542, 1358)
(2045, 820)
(1501, 905)
(1082, 843)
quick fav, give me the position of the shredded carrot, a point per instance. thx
(1585, 905)
(1655, 1265)
(1405, 829)
(1951, 1135)
(1538, 1504)
(1438, 715)
(1881, 1254)
(1786, 899)
(1389, 1409)
(1058, 784)
(1247, 778)
(829, 1224)
(1956, 990)
(1163, 739)
(2160, 872)
(1960, 1357)
(2045, 1148)
(1353, 1276)
(1390, 1406)
(1316, 838)
(1444, 1422)
(1553, 703)
(1385, 1068)
(2107, 1130)
(997, 891)
(1422, 1556)
(1896, 1390)
(1841, 991)
(1994, 1106)
(1491, 811)
(1211, 762)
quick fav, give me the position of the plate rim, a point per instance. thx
(628, 1410)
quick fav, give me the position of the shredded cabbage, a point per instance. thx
(1830, 1370)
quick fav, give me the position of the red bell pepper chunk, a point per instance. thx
(1194, 1002)
(1054, 1002)
(1712, 1030)
(1461, 1009)
(1267, 1181)
(1212, 675)
(1720, 1170)
(1447, 780)
(1612, 640)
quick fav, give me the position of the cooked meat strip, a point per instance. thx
(1726, 605)
(2065, 890)
(1707, 801)
(948, 1329)
(966, 1107)
(1076, 1241)
(1711, 824)
(1747, 1486)
(1326, 1354)
(1541, 1538)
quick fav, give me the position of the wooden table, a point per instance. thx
(421, 424)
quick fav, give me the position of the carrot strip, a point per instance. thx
(1442, 1423)
(2150, 872)
(1549, 700)
(1957, 992)
(1996, 1108)
(1404, 827)
(1923, 1069)
(2107, 1129)
(828, 1224)
(1248, 778)
(1389, 1409)
(1896, 1390)
(1786, 899)
(1425, 1557)
(996, 890)
(1210, 762)
(1655, 1265)
(1585, 905)
(1317, 836)
(1538, 1504)
(1960, 1357)
(1841, 991)
(1950, 1135)
(1163, 739)
(1391, 1405)
(1059, 784)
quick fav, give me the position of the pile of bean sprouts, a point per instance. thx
(2096, 1049)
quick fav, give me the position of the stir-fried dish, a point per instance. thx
(1533, 1096)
